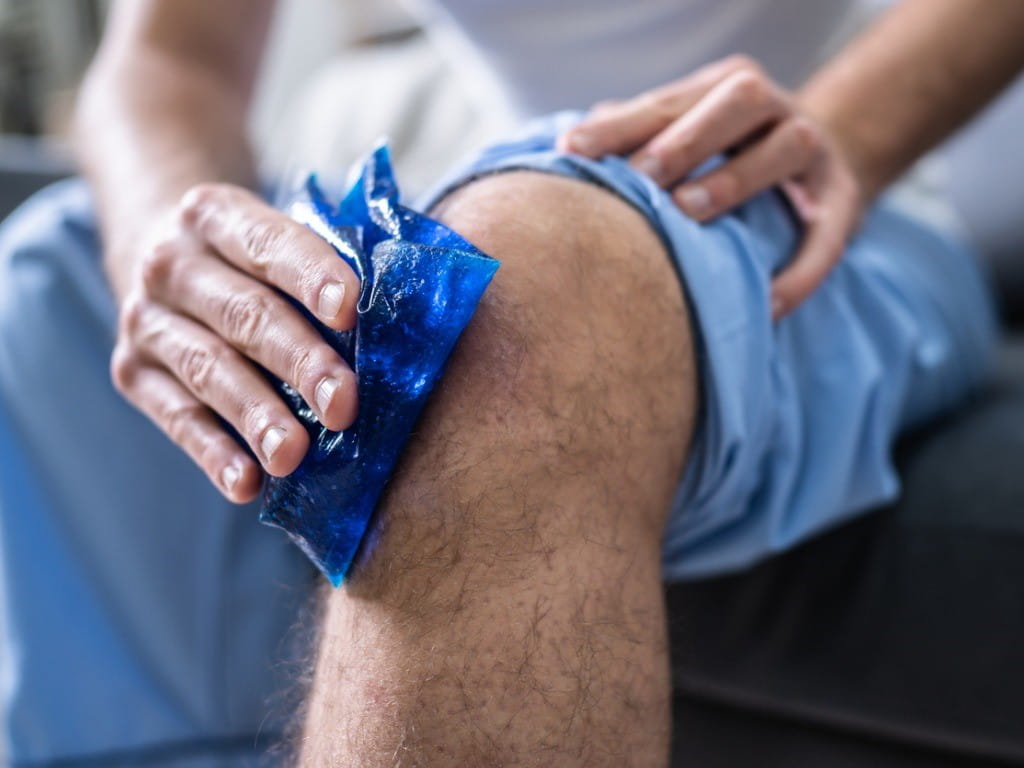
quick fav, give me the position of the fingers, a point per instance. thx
(825, 238)
(205, 318)
(266, 244)
(190, 424)
(734, 110)
(219, 377)
(261, 325)
(619, 128)
(790, 149)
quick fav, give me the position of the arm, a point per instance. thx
(163, 108)
(909, 80)
(196, 260)
(913, 78)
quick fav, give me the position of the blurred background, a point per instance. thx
(44, 47)
(318, 49)
(322, 48)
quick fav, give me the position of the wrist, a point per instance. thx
(129, 227)
(858, 150)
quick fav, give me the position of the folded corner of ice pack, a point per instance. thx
(421, 283)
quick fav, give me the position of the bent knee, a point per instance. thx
(559, 235)
(585, 320)
(585, 283)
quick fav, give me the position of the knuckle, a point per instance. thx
(306, 363)
(158, 262)
(244, 318)
(123, 367)
(178, 422)
(197, 199)
(196, 367)
(255, 419)
(806, 135)
(132, 311)
(261, 239)
(749, 86)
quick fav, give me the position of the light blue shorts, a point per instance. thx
(798, 417)
(148, 621)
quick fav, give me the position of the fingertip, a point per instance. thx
(695, 201)
(789, 290)
(282, 448)
(336, 399)
(779, 307)
(336, 304)
(581, 142)
(239, 480)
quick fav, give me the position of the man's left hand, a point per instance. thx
(733, 107)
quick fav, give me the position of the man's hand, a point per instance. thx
(203, 317)
(732, 107)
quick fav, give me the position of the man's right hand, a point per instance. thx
(203, 316)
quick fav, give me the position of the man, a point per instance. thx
(602, 424)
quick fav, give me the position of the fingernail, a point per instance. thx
(583, 143)
(695, 200)
(650, 165)
(272, 438)
(324, 392)
(331, 297)
(229, 476)
(778, 305)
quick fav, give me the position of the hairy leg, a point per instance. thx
(512, 612)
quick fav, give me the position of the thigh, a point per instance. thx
(142, 611)
(516, 566)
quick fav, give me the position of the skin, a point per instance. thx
(892, 95)
(512, 614)
(151, 154)
(193, 256)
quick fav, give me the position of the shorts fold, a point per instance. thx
(797, 417)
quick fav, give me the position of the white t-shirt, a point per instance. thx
(556, 54)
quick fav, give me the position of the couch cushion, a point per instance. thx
(902, 628)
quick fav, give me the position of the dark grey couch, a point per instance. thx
(896, 640)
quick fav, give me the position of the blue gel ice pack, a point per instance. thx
(421, 283)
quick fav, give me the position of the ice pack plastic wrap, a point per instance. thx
(421, 283)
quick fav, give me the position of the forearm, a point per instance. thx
(154, 118)
(141, 149)
(912, 78)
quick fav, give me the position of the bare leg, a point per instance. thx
(512, 613)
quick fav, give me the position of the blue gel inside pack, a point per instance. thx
(421, 283)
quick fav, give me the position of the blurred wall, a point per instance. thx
(46, 45)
